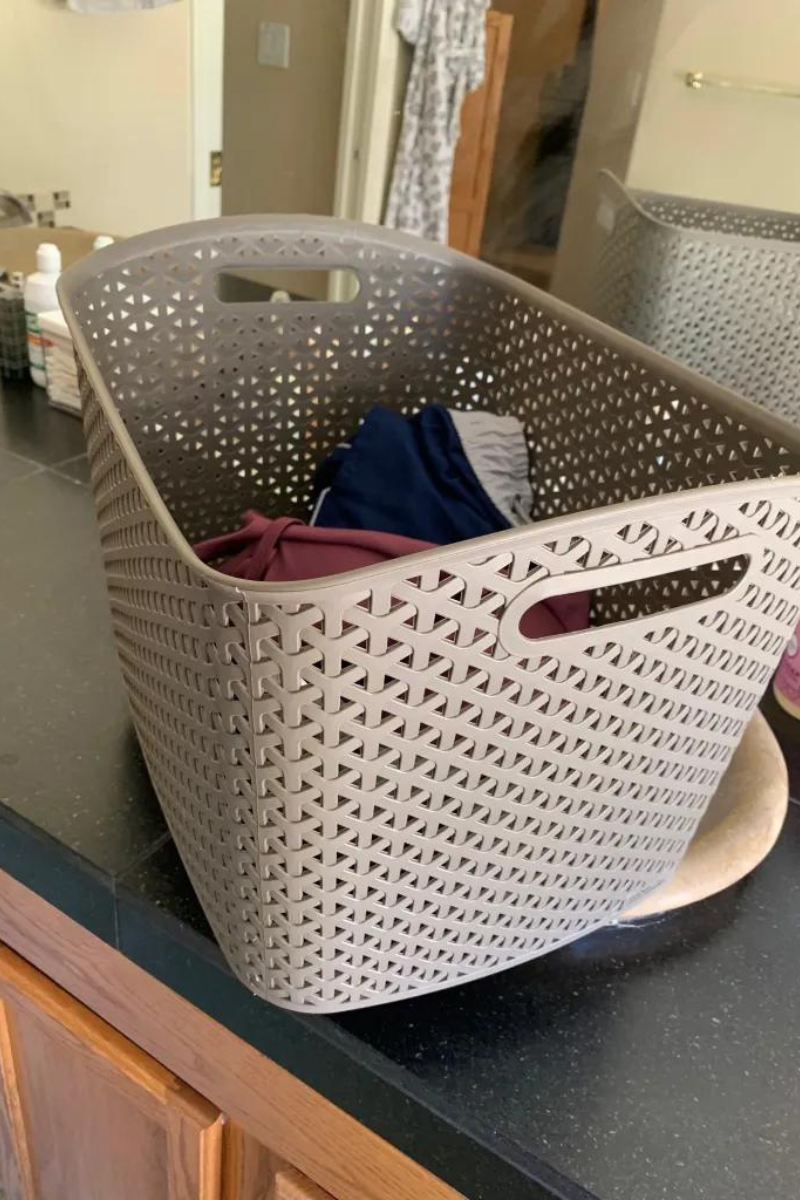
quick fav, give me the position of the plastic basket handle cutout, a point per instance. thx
(515, 642)
(282, 284)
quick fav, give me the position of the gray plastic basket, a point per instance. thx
(715, 286)
(378, 785)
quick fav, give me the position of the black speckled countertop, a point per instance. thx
(645, 1062)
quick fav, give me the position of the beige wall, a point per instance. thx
(625, 37)
(101, 106)
(728, 145)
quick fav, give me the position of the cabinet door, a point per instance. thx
(289, 1184)
(11, 1174)
(87, 1114)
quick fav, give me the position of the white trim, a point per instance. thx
(372, 62)
(207, 49)
(349, 149)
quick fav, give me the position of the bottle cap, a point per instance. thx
(48, 258)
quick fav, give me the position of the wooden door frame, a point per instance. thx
(480, 119)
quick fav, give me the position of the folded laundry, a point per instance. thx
(440, 476)
(287, 549)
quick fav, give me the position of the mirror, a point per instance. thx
(577, 125)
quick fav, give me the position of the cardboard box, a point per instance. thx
(18, 246)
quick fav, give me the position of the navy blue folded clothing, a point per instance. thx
(439, 476)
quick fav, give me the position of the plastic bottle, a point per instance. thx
(40, 296)
(786, 685)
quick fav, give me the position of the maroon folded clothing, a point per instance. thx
(286, 549)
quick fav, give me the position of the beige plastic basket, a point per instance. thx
(715, 286)
(378, 785)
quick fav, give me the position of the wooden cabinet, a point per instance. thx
(86, 1115)
(10, 1181)
(251, 1172)
(289, 1184)
(89, 1116)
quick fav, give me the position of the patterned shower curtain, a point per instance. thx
(449, 40)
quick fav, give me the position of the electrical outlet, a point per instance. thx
(273, 44)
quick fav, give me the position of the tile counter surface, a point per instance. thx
(649, 1061)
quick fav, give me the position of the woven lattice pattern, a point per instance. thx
(376, 788)
(690, 213)
(714, 286)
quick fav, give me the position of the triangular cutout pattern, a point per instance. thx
(714, 286)
(374, 795)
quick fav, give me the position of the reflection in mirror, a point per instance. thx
(623, 155)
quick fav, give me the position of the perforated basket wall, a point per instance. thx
(378, 786)
(715, 286)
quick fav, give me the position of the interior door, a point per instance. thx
(480, 114)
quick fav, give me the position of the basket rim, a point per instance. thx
(583, 325)
(635, 196)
